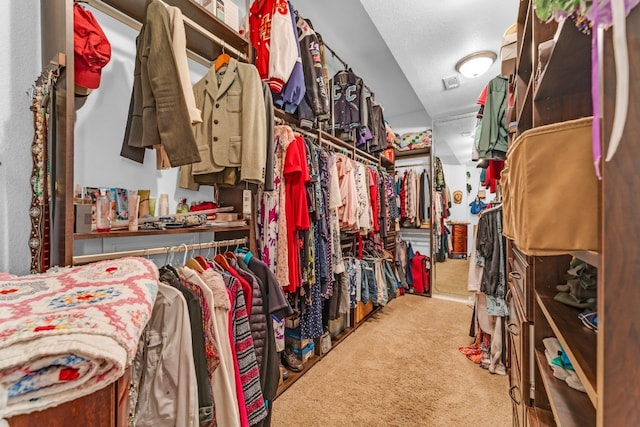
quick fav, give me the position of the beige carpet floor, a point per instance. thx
(451, 278)
(400, 368)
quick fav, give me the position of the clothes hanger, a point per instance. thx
(186, 253)
(222, 60)
(222, 262)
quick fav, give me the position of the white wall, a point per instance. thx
(20, 66)
(456, 178)
(99, 130)
(101, 121)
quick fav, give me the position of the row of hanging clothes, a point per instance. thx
(441, 211)
(487, 278)
(208, 354)
(297, 73)
(413, 268)
(414, 190)
(319, 192)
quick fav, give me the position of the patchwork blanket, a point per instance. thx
(71, 331)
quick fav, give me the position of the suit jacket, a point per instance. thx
(233, 131)
(158, 113)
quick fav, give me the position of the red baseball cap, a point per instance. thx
(92, 50)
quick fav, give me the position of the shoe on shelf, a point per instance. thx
(291, 361)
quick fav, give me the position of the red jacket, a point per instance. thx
(275, 41)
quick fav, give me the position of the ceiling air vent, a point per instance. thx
(451, 82)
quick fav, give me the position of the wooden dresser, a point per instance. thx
(459, 240)
(108, 407)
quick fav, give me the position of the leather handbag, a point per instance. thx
(550, 190)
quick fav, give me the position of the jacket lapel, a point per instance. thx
(228, 78)
(211, 83)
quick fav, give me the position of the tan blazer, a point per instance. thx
(233, 131)
(158, 113)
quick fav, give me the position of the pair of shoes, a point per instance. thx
(291, 361)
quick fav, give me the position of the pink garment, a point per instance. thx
(349, 210)
(284, 137)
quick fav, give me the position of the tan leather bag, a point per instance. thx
(551, 191)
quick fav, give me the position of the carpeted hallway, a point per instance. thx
(451, 278)
(402, 367)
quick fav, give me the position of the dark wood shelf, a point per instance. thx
(196, 42)
(564, 74)
(419, 152)
(525, 52)
(127, 233)
(385, 163)
(538, 417)
(590, 257)
(570, 407)
(578, 341)
(525, 114)
(523, 8)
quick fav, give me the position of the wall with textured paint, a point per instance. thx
(20, 66)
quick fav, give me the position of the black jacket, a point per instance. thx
(349, 101)
(317, 94)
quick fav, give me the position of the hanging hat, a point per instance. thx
(457, 197)
(92, 50)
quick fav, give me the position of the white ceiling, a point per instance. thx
(404, 49)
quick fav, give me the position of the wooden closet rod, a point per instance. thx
(85, 259)
(132, 23)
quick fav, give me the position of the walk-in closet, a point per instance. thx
(285, 213)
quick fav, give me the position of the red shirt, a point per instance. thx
(296, 176)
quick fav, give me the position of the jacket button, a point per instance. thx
(215, 122)
(215, 138)
(217, 105)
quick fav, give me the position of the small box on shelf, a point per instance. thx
(304, 353)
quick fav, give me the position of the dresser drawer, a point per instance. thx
(519, 276)
(516, 327)
(516, 395)
(518, 332)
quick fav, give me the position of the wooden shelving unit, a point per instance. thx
(603, 361)
(538, 417)
(563, 74)
(578, 341)
(570, 407)
(197, 42)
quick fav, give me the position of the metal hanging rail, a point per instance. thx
(411, 165)
(85, 259)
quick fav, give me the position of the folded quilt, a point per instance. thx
(71, 331)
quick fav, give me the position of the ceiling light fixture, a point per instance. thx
(476, 64)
